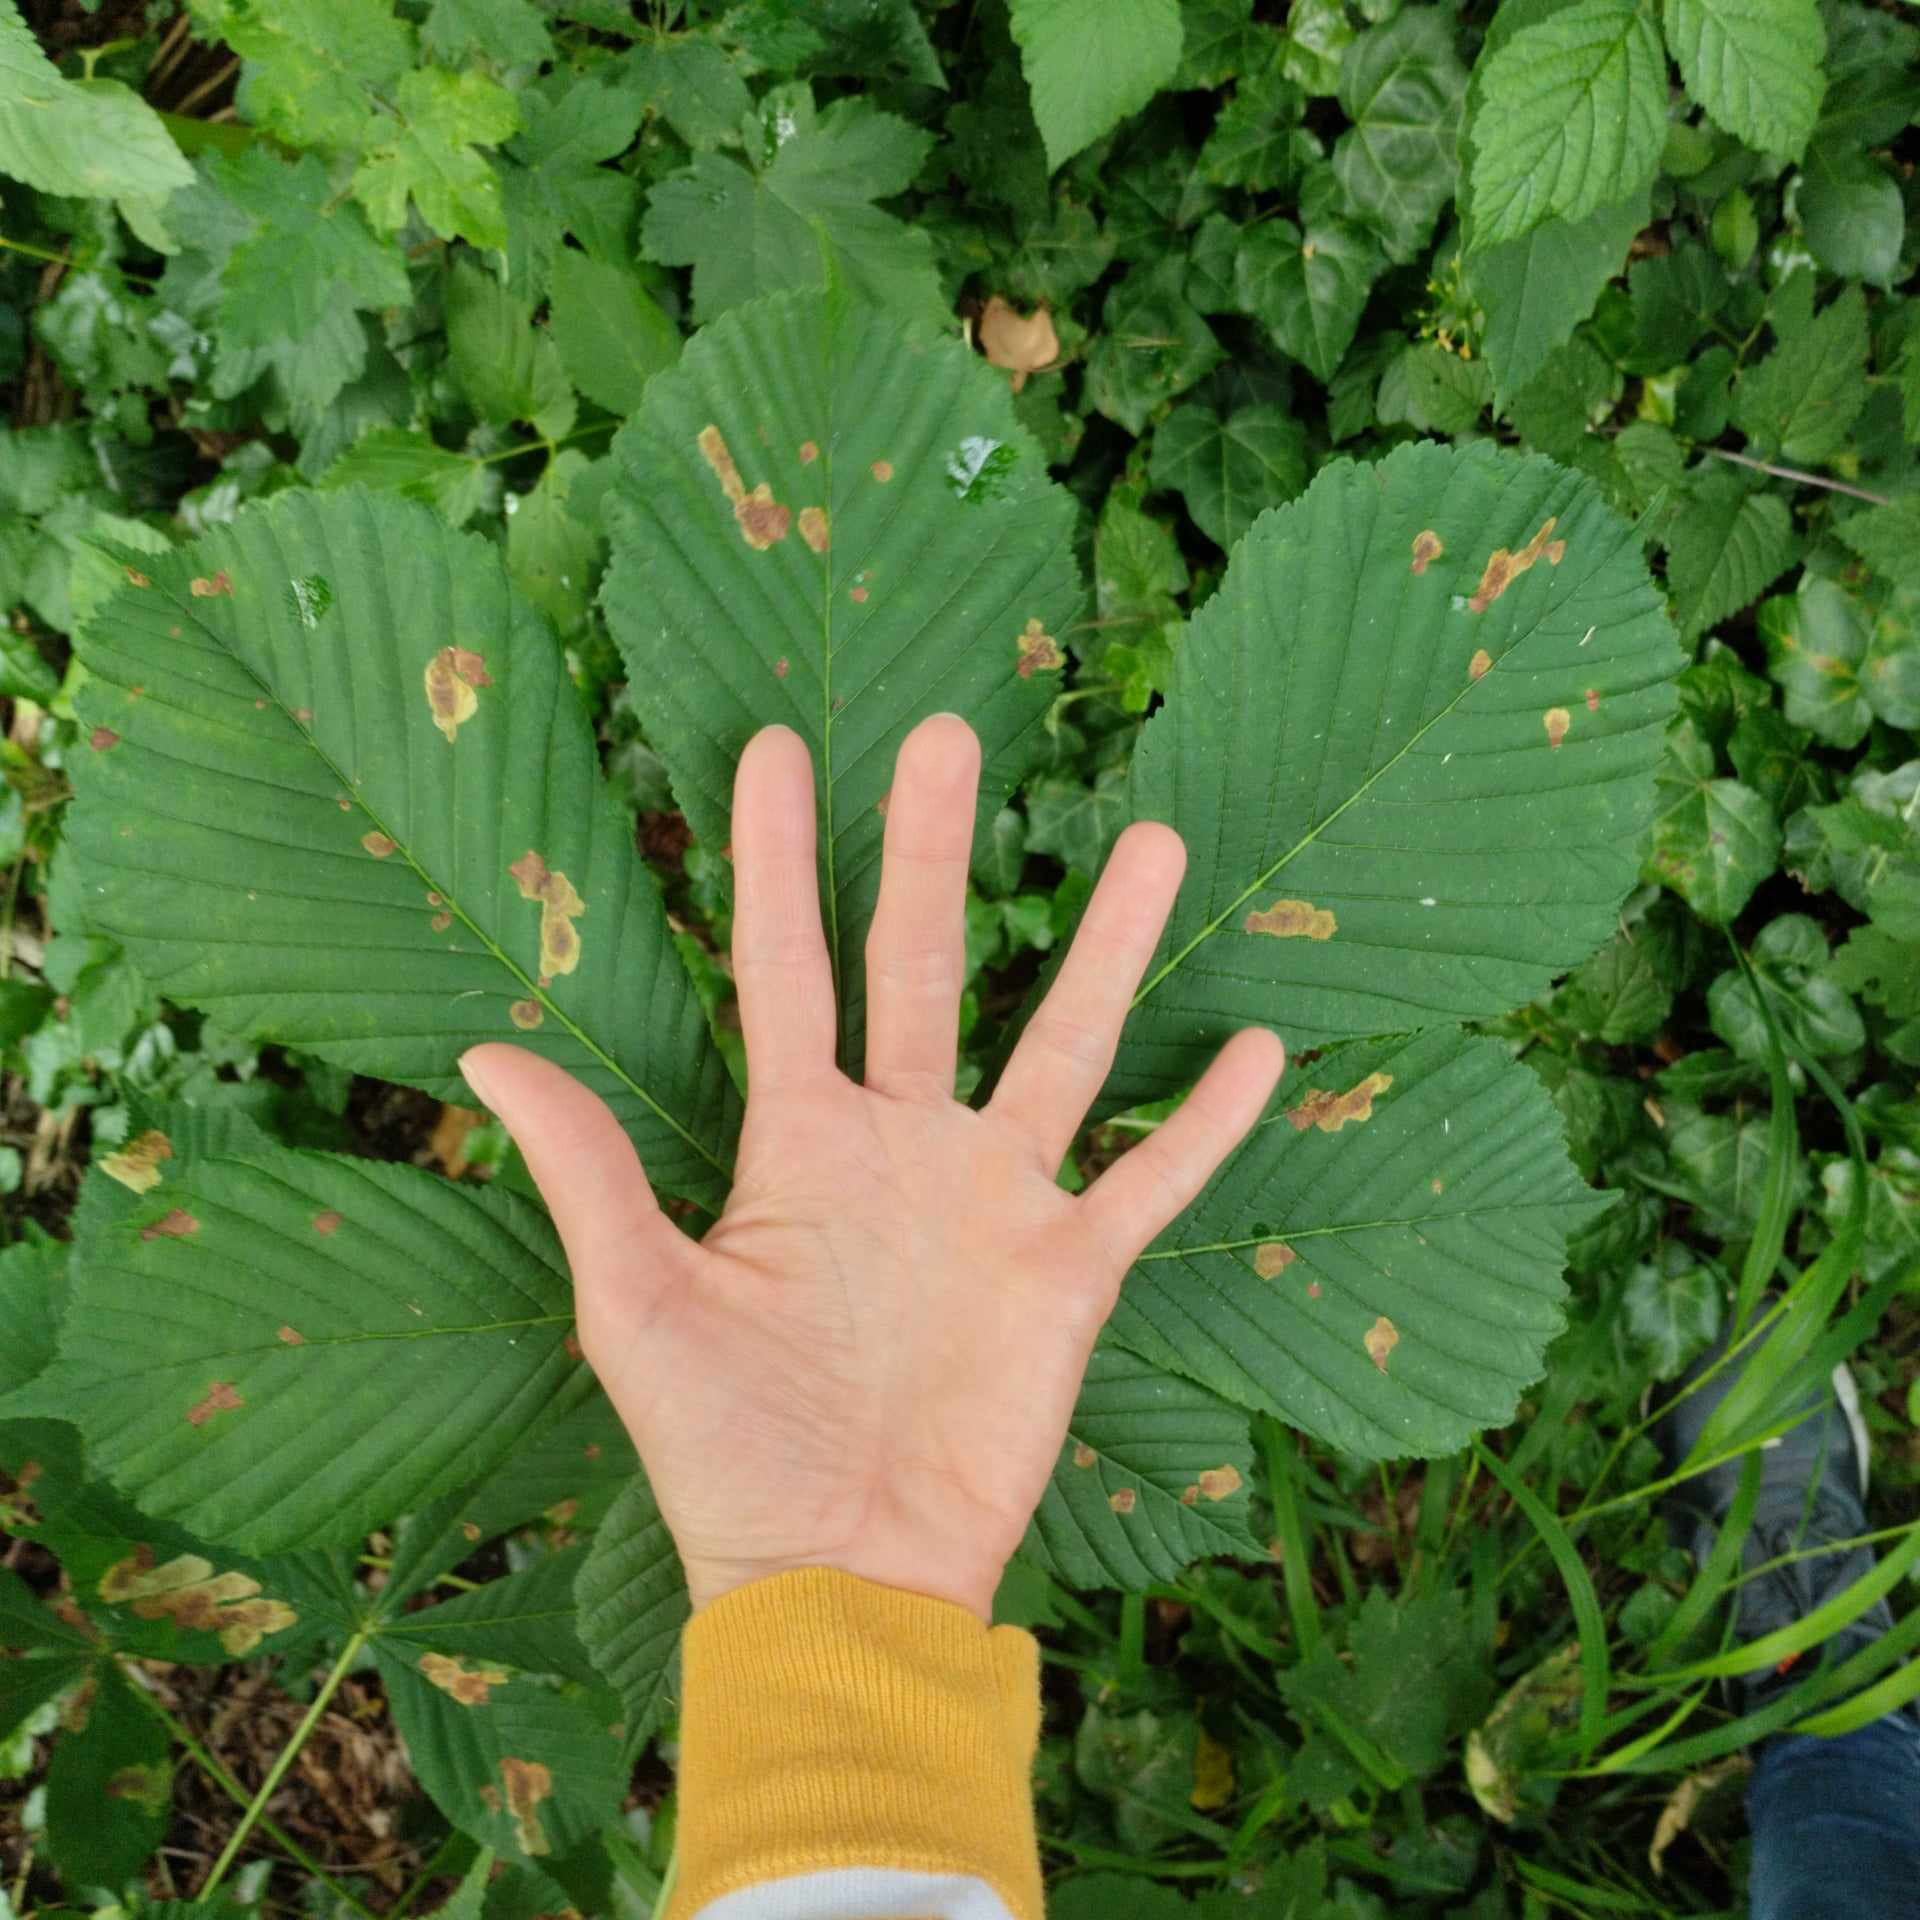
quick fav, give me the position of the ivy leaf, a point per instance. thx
(1726, 550)
(1401, 85)
(1801, 401)
(747, 233)
(1404, 659)
(1078, 96)
(1308, 289)
(1229, 469)
(1075, 821)
(1754, 65)
(876, 504)
(282, 737)
(1257, 140)
(1669, 1319)
(1714, 840)
(1152, 345)
(434, 156)
(1573, 114)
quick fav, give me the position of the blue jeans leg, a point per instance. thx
(1836, 1825)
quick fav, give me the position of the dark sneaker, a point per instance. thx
(1813, 1481)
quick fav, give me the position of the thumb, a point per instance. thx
(614, 1233)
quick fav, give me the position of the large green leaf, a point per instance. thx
(1572, 113)
(1410, 746)
(337, 1340)
(1380, 1262)
(632, 1595)
(1754, 65)
(283, 814)
(1308, 287)
(823, 520)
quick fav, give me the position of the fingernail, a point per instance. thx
(476, 1078)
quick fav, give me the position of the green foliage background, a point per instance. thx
(437, 251)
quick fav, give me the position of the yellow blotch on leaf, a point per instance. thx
(1293, 920)
(1556, 721)
(882, 470)
(1039, 651)
(559, 907)
(1273, 1259)
(813, 528)
(1504, 568)
(1123, 1499)
(1331, 1111)
(761, 518)
(1480, 665)
(1380, 1339)
(377, 843)
(1213, 1786)
(1219, 1483)
(526, 1014)
(1426, 549)
(188, 1592)
(211, 584)
(527, 1783)
(468, 1685)
(451, 677)
(1083, 1455)
(137, 1164)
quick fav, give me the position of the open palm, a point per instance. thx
(870, 1360)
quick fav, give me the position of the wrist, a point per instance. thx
(705, 1585)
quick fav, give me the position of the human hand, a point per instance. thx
(870, 1360)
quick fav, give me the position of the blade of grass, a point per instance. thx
(1783, 1151)
(1588, 1618)
(1296, 1577)
(1715, 1572)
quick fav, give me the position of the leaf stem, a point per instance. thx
(666, 1882)
(257, 1806)
(218, 1774)
(1796, 473)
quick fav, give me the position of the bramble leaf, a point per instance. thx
(1573, 114)
(1229, 470)
(1754, 65)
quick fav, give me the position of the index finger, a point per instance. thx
(780, 965)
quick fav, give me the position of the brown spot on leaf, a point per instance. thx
(882, 470)
(468, 1685)
(206, 587)
(858, 595)
(527, 1783)
(102, 738)
(1039, 651)
(1556, 721)
(559, 907)
(137, 1164)
(780, 668)
(1593, 699)
(1307, 250)
(1504, 568)
(809, 453)
(592, 1449)
(1083, 1455)
(1383, 1336)
(221, 1397)
(1439, 1186)
(1292, 920)
(135, 578)
(292, 1338)
(1480, 665)
(441, 921)
(762, 520)
(326, 1223)
(526, 1014)
(198, 1600)
(450, 678)
(303, 714)
(490, 1798)
(377, 843)
(1426, 549)
(1123, 1499)
(574, 1350)
(1331, 1111)
(175, 1225)
(1220, 1483)
(1275, 1257)
(1022, 343)
(1188, 1495)
(148, 1787)
(346, 805)
(1313, 1289)
(813, 528)
(470, 1530)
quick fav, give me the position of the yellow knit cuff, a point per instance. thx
(828, 1721)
